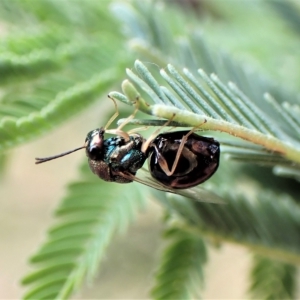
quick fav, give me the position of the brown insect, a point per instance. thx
(177, 160)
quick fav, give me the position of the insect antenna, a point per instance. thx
(45, 159)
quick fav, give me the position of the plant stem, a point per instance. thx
(191, 119)
(269, 142)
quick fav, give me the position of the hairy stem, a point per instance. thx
(188, 118)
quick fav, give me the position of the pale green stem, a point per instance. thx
(269, 142)
(206, 123)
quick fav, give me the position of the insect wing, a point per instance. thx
(197, 193)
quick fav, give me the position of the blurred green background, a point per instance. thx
(49, 46)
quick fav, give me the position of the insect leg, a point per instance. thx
(161, 160)
(118, 130)
(115, 115)
(147, 143)
(130, 117)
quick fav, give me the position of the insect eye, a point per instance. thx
(93, 153)
(94, 144)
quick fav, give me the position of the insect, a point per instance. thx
(177, 160)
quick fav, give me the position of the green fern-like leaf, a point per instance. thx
(18, 129)
(58, 58)
(229, 113)
(272, 279)
(49, 71)
(245, 90)
(180, 275)
(88, 217)
(260, 224)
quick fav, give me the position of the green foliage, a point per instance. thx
(58, 57)
(77, 242)
(247, 221)
(272, 279)
(181, 271)
(52, 70)
(227, 109)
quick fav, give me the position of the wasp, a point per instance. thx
(176, 160)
